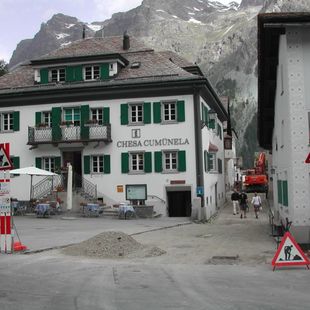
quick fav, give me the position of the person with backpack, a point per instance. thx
(243, 201)
(256, 202)
(235, 201)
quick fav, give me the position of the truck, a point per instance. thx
(256, 179)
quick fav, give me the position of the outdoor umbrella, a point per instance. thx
(32, 171)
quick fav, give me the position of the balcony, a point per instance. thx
(69, 134)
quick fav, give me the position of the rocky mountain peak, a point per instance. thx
(248, 3)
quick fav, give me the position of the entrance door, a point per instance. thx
(75, 159)
(179, 203)
(216, 198)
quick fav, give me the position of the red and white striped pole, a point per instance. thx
(6, 238)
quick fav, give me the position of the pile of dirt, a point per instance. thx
(112, 244)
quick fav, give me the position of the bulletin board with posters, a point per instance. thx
(136, 192)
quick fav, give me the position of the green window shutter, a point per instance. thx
(87, 164)
(279, 191)
(69, 74)
(205, 159)
(44, 75)
(56, 120)
(219, 165)
(180, 111)
(57, 163)
(212, 123)
(125, 162)
(210, 162)
(148, 162)
(15, 162)
(84, 120)
(38, 162)
(78, 73)
(106, 116)
(147, 112)
(104, 71)
(285, 193)
(38, 118)
(156, 112)
(16, 121)
(181, 161)
(206, 115)
(158, 161)
(124, 114)
(106, 164)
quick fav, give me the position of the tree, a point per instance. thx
(3, 67)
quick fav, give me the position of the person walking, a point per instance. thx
(243, 200)
(235, 201)
(256, 202)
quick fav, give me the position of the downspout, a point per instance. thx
(198, 144)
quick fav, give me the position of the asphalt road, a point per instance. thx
(183, 278)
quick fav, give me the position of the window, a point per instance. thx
(58, 75)
(91, 73)
(97, 164)
(211, 162)
(96, 114)
(6, 120)
(136, 162)
(136, 113)
(170, 161)
(47, 118)
(48, 163)
(73, 115)
(169, 111)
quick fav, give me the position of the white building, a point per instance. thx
(284, 114)
(121, 114)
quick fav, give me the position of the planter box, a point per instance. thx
(144, 211)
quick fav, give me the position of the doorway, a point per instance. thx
(179, 203)
(75, 159)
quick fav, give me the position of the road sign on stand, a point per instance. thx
(289, 253)
(5, 161)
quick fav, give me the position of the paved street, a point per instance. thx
(224, 264)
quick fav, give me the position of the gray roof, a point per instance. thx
(153, 65)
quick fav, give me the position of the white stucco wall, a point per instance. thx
(290, 136)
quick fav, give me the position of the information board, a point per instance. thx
(136, 192)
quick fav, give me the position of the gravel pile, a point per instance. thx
(112, 244)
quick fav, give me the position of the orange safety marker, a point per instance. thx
(289, 253)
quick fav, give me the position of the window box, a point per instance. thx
(65, 124)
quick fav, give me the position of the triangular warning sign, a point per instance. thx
(289, 253)
(307, 161)
(5, 161)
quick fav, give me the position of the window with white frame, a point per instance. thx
(48, 163)
(97, 164)
(91, 73)
(169, 111)
(136, 162)
(96, 114)
(58, 75)
(72, 115)
(47, 118)
(136, 113)
(212, 162)
(170, 160)
(6, 121)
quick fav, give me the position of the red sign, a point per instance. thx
(289, 253)
(307, 161)
(5, 161)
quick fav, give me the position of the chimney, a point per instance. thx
(126, 41)
(83, 35)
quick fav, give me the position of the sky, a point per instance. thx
(21, 19)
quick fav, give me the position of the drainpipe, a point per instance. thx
(198, 145)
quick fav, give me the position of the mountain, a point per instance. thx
(221, 39)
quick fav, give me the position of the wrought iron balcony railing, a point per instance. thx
(63, 134)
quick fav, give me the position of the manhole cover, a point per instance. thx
(224, 260)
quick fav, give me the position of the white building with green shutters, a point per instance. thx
(123, 115)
